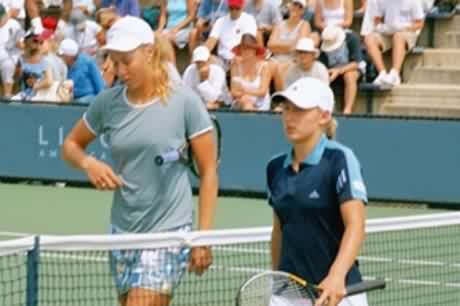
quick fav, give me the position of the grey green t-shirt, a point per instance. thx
(317, 71)
(268, 14)
(153, 198)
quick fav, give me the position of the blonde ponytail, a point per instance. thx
(331, 128)
(160, 71)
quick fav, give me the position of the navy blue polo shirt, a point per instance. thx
(307, 204)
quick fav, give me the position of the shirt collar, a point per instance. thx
(314, 157)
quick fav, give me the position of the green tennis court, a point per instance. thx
(52, 210)
(417, 256)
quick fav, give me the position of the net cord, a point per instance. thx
(204, 238)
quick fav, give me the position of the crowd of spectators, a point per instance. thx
(240, 50)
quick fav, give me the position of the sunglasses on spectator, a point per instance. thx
(234, 8)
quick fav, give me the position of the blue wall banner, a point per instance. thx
(402, 159)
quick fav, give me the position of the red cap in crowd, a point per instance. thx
(49, 23)
(235, 3)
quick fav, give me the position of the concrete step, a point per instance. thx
(435, 75)
(420, 110)
(427, 94)
(441, 57)
(452, 40)
(444, 26)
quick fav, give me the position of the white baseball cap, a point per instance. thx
(301, 2)
(128, 33)
(308, 93)
(201, 54)
(306, 45)
(68, 47)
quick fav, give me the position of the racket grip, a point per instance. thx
(168, 157)
(365, 286)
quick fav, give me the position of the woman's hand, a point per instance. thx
(101, 175)
(334, 73)
(332, 290)
(200, 259)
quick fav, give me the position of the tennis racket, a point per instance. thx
(276, 288)
(184, 154)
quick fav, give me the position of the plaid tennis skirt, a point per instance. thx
(159, 270)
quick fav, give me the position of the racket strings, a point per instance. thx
(291, 289)
(275, 291)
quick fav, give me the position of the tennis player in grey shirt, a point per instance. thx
(147, 116)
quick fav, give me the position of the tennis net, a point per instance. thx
(418, 257)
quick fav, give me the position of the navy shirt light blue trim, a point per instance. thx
(315, 156)
(308, 203)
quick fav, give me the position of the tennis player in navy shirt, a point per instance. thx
(318, 197)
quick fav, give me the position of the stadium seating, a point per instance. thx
(431, 78)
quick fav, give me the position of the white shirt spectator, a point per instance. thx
(228, 33)
(87, 5)
(58, 67)
(15, 4)
(48, 3)
(10, 34)
(399, 14)
(427, 5)
(211, 90)
(84, 35)
(367, 25)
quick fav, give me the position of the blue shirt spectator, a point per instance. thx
(211, 10)
(124, 7)
(177, 11)
(31, 73)
(86, 76)
(83, 71)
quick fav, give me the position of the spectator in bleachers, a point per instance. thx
(11, 34)
(154, 12)
(267, 16)
(82, 70)
(309, 14)
(86, 6)
(304, 65)
(333, 12)
(84, 31)
(285, 35)
(309, 11)
(367, 24)
(250, 75)
(105, 17)
(206, 79)
(342, 55)
(427, 5)
(362, 7)
(226, 32)
(32, 69)
(15, 10)
(181, 14)
(398, 24)
(33, 12)
(58, 67)
(123, 7)
(208, 13)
